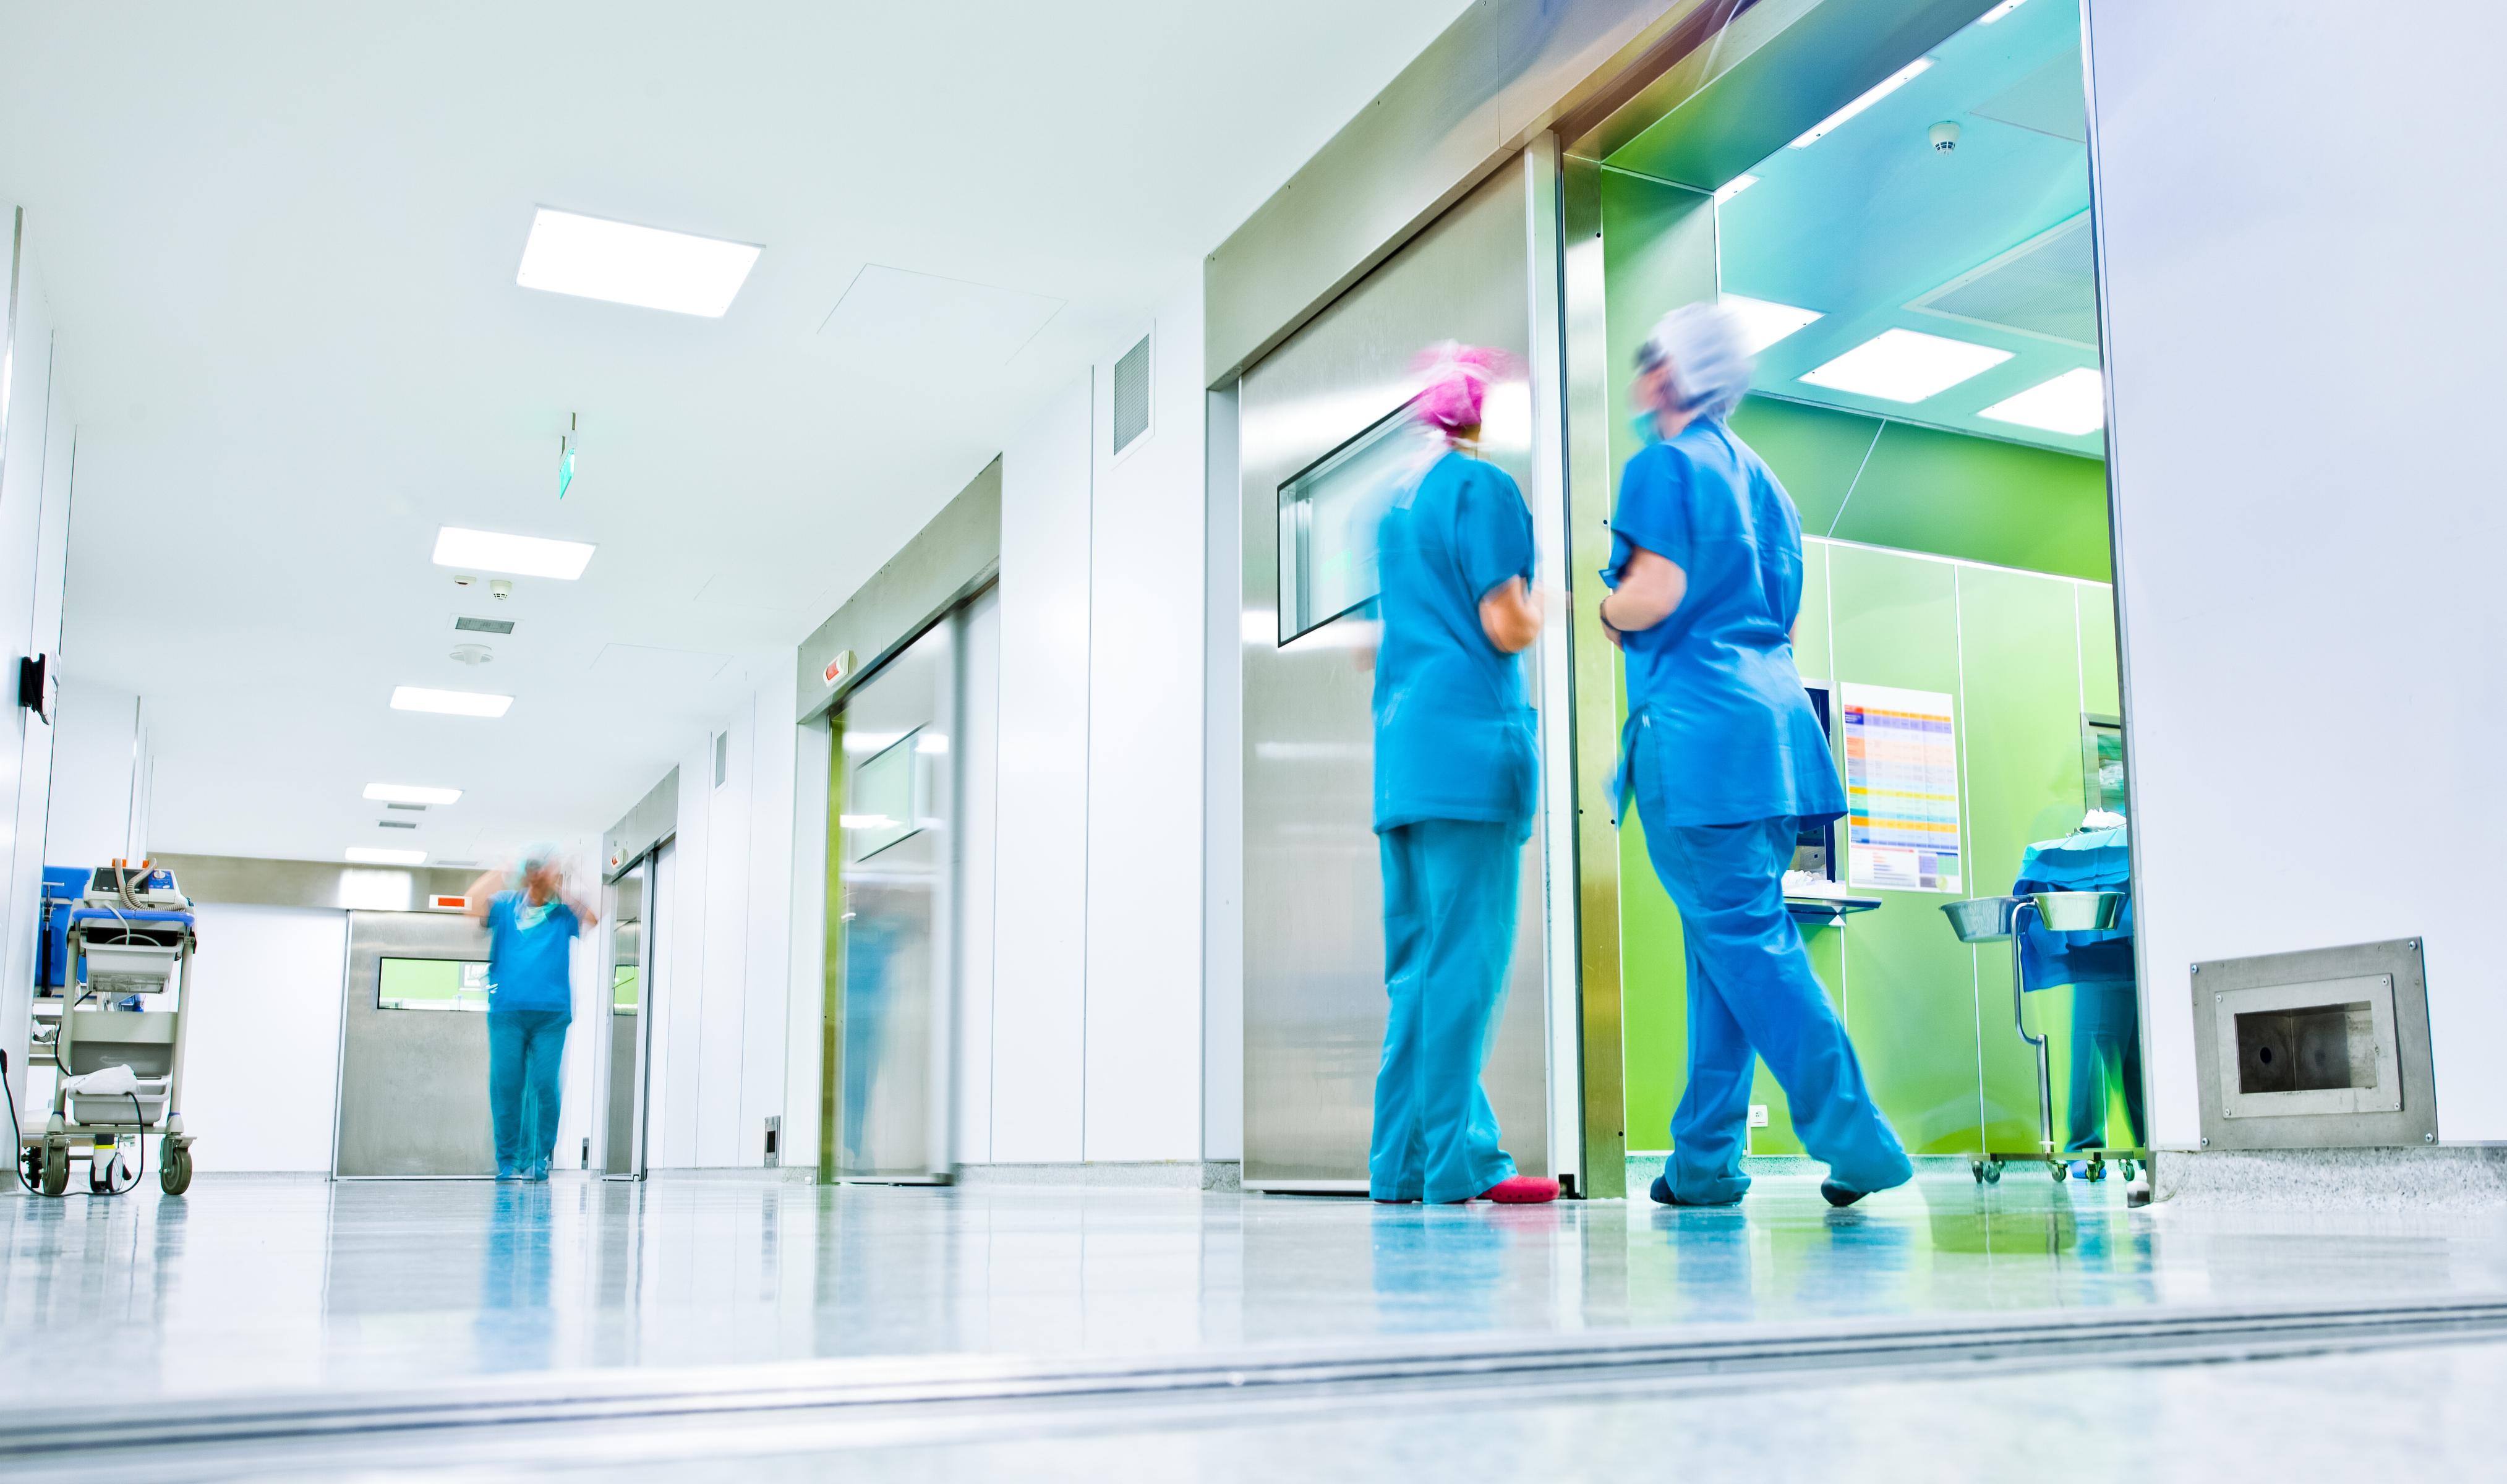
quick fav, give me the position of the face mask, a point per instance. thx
(1649, 431)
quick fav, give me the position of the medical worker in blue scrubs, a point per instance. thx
(532, 926)
(1456, 771)
(1725, 762)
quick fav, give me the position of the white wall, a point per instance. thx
(978, 744)
(100, 766)
(2302, 306)
(1223, 750)
(261, 1059)
(724, 1017)
(37, 445)
(1144, 763)
(1040, 916)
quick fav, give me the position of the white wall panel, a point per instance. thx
(1041, 922)
(805, 1004)
(721, 1140)
(98, 757)
(2303, 305)
(1144, 760)
(767, 909)
(680, 1021)
(261, 1062)
(1222, 925)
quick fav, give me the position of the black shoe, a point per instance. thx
(1662, 1196)
(1837, 1195)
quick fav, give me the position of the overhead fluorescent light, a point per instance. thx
(1887, 86)
(1999, 11)
(376, 855)
(625, 264)
(865, 821)
(1764, 321)
(2074, 402)
(417, 697)
(410, 793)
(493, 551)
(1733, 187)
(1905, 366)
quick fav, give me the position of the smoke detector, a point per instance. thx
(1944, 136)
(473, 654)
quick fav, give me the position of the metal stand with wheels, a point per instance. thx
(2005, 919)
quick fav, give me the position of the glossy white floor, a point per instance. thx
(248, 1286)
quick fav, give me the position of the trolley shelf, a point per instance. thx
(1827, 911)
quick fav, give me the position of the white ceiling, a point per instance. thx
(279, 245)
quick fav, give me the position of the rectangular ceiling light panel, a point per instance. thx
(1905, 366)
(1764, 321)
(411, 793)
(493, 551)
(622, 262)
(379, 856)
(1887, 86)
(417, 697)
(1999, 11)
(1733, 187)
(2073, 403)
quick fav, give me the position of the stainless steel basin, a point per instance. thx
(1983, 919)
(2079, 910)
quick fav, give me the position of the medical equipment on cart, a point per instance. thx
(114, 939)
(1994, 918)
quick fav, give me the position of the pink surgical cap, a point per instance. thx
(1458, 377)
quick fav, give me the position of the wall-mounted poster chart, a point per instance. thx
(1901, 789)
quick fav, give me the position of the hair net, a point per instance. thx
(534, 858)
(1458, 379)
(1710, 363)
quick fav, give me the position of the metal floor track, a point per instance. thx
(580, 1418)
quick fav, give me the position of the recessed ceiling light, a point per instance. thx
(1733, 187)
(493, 551)
(417, 697)
(1887, 86)
(2074, 402)
(1764, 321)
(376, 855)
(1905, 366)
(411, 793)
(1999, 11)
(625, 264)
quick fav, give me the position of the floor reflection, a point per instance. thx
(285, 1283)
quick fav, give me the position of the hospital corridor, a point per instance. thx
(1553, 738)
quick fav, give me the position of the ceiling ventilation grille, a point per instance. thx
(483, 625)
(721, 757)
(414, 809)
(2045, 287)
(395, 824)
(1131, 395)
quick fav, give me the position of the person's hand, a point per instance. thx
(1618, 640)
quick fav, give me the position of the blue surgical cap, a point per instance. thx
(1709, 362)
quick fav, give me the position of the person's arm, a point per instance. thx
(584, 912)
(483, 896)
(1650, 588)
(1510, 616)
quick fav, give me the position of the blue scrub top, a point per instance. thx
(1453, 730)
(2087, 860)
(527, 966)
(1729, 735)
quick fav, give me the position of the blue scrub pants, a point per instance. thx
(1752, 992)
(526, 1048)
(2106, 1035)
(1449, 904)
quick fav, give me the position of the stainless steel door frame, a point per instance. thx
(605, 1155)
(412, 1084)
(652, 986)
(1313, 892)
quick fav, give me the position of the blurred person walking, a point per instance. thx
(532, 923)
(1455, 774)
(1726, 761)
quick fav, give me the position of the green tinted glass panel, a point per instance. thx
(432, 984)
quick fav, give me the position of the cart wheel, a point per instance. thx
(2097, 1167)
(99, 1173)
(1993, 1172)
(56, 1169)
(2125, 1168)
(2055, 1167)
(174, 1168)
(1975, 1167)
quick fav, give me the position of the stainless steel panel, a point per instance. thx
(898, 866)
(412, 1083)
(623, 1061)
(1314, 934)
(1501, 73)
(654, 820)
(2386, 981)
(247, 881)
(947, 561)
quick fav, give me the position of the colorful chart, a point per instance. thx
(1901, 789)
